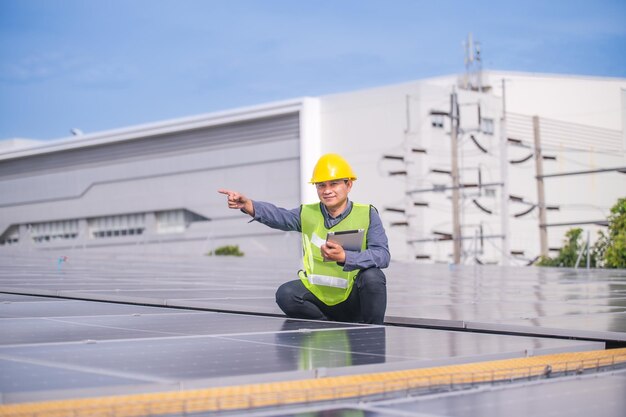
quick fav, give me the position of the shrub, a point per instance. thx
(611, 247)
(609, 251)
(228, 250)
(568, 254)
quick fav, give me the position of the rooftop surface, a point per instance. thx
(93, 325)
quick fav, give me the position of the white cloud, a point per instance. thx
(39, 67)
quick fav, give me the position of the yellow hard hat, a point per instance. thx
(331, 167)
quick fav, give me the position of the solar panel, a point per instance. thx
(516, 300)
(573, 396)
(116, 331)
(121, 346)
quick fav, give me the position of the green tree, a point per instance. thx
(570, 251)
(610, 248)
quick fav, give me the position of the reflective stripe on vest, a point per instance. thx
(327, 281)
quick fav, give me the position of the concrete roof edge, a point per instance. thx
(530, 75)
(157, 128)
(496, 72)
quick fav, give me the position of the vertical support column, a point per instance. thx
(150, 224)
(456, 215)
(504, 177)
(541, 194)
(24, 236)
(310, 146)
(83, 233)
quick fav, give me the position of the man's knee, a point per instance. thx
(290, 297)
(287, 294)
(372, 278)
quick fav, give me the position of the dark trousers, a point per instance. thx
(366, 303)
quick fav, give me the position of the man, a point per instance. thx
(336, 284)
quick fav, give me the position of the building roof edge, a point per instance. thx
(157, 128)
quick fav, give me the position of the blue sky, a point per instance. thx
(99, 65)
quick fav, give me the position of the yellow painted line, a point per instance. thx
(243, 397)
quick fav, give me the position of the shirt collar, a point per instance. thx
(341, 216)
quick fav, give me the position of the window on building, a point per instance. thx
(437, 121)
(51, 231)
(175, 221)
(116, 226)
(171, 221)
(486, 126)
(11, 236)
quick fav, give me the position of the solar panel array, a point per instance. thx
(86, 324)
(53, 348)
(562, 302)
(559, 302)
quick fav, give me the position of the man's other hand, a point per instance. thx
(332, 251)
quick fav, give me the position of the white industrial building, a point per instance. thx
(154, 187)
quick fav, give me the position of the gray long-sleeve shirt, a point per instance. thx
(377, 251)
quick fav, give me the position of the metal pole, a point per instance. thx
(588, 250)
(579, 257)
(456, 215)
(591, 171)
(434, 239)
(428, 190)
(475, 243)
(504, 177)
(541, 194)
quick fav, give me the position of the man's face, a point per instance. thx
(333, 194)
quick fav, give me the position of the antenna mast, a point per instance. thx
(473, 65)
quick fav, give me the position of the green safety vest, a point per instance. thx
(327, 280)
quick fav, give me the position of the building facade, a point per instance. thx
(154, 187)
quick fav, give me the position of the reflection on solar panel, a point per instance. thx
(135, 324)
